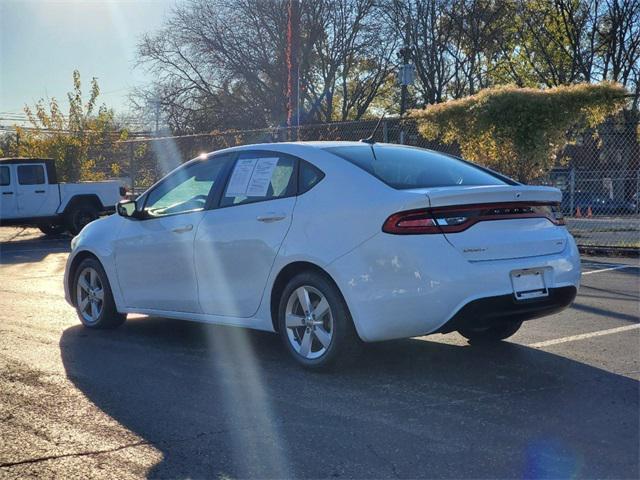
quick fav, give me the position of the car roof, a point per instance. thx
(323, 144)
(316, 145)
(330, 144)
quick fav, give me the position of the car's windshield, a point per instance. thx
(406, 167)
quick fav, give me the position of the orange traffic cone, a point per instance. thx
(589, 212)
(578, 214)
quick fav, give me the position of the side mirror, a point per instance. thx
(128, 209)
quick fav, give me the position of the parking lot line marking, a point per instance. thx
(583, 336)
(619, 267)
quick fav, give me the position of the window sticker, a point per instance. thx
(240, 177)
(261, 178)
(251, 177)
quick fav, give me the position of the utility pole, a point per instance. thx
(404, 85)
(405, 78)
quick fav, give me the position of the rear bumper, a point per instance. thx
(406, 286)
(493, 311)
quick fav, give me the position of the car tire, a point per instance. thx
(52, 228)
(93, 297)
(322, 339)
(490, 335)
(81, 216)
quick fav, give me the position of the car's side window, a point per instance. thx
(308, 176)
(187, 189)
(5, 176)
(30, 174)
(256, 177)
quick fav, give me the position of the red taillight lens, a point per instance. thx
(459, 218)
(410, 222)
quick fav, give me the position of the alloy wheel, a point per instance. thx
(89, 295)
(309, 322)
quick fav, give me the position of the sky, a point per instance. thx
(43, 41)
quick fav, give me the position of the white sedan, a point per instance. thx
(330, 244)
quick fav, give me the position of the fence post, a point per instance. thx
(132, 169)
(572, 190)
(637, 199)
(385, 132)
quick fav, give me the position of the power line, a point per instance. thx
(12, 129)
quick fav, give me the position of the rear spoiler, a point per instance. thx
(474, 195)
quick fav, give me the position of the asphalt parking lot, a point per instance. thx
(164, 398)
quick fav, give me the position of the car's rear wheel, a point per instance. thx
(52, 228)
(314, 322)
(490, 335)
(93, 298)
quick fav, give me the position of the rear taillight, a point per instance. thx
(458, 218)
(411, 222)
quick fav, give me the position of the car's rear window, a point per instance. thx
(410, 167)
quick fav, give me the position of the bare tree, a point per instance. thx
(223, 62)
(353, 60)
(420, 25)
(619, 34)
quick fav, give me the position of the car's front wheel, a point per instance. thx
(490, 335)
(314, 322)
(93, 298)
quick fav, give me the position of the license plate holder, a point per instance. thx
(528, 284)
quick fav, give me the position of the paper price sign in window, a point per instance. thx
(261, 177)
(239, 180)
(251, 177)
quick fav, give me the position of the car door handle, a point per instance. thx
(39, 191)
(7, 193)
(271, 217)
(186, 228)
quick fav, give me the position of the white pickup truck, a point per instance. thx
(31, 195)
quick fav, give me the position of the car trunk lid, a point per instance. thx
(498, 222)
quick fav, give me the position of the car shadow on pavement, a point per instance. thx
(32, 250)
(220, 401)
(606, 312)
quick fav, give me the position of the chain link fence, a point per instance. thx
(598, 172)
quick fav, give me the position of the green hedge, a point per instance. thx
(519, 131)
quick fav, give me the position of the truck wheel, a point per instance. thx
(52, 228)
(81, 216)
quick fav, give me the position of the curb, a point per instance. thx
(603, 251)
